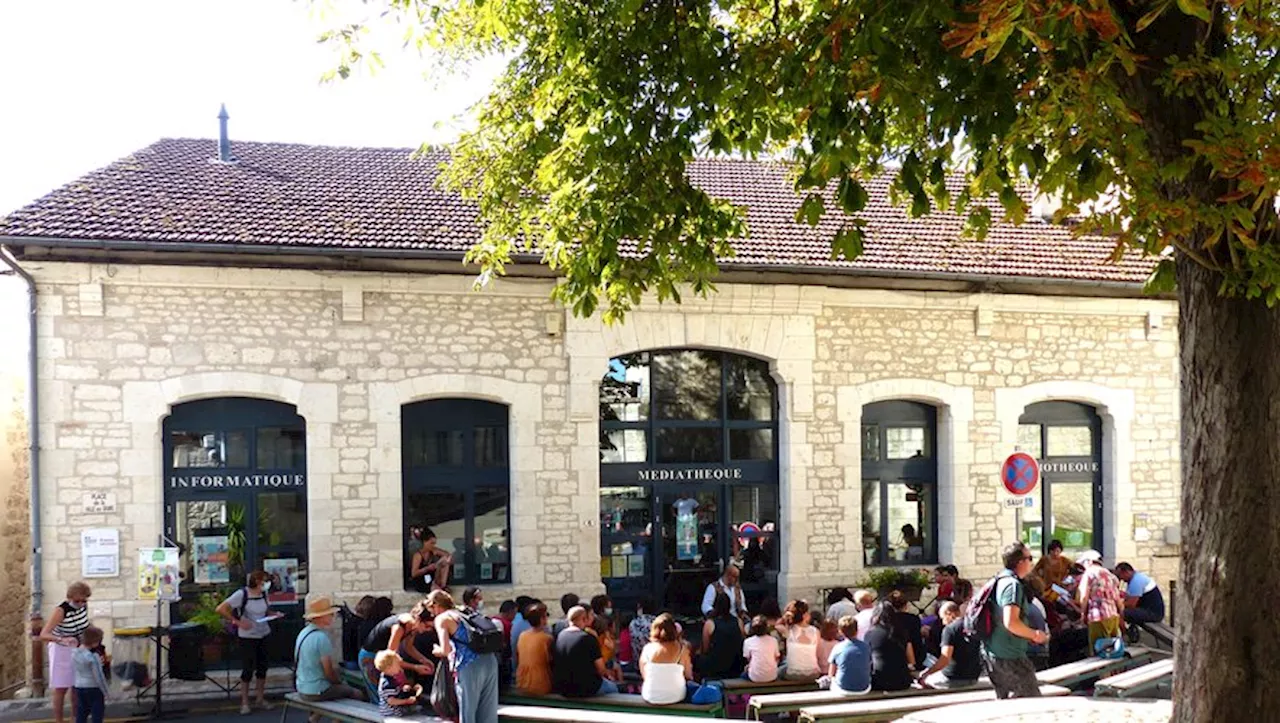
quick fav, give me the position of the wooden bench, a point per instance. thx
(1163, 634)
(1073, 675)
(742, 686)
(1138, 680)
(888, 709)
(346, 711)
(540, 714)
(762, 705)
(614, 702)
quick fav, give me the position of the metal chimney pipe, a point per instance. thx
(224, 143)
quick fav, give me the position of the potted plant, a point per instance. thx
(909, 581)
(205, 614)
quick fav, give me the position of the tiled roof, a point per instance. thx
(299, 196)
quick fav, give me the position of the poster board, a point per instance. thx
(212, 558)
(100, 553)
(284, 580)
(158, 574)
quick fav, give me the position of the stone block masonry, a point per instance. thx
(350, 349)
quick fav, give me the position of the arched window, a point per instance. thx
(1067, 439)
(689, 475)
(457, 482)
(899, 483)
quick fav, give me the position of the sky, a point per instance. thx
(85, 82)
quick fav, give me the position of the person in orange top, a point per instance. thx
(533, 673)
(602, 628)
(1052, 569)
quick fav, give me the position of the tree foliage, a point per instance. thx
(1154, 116)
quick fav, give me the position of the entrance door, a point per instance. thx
(691, 546)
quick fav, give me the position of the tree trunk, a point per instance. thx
(1228, 631)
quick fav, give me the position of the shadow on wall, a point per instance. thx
(15, 529)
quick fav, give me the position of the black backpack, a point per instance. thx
(983, 617)
(482, 635)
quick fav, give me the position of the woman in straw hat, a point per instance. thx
(317, 676)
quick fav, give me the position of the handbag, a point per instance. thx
(707, 694)
(444, 697)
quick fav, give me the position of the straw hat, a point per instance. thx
(1089, 556)
(319, 607)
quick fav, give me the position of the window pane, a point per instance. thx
(491, 446)
(910, 523)
(677, 444)
(435, 448)
(281, 448)
(282, 521)
(492, 549)
(624, 391)
(625, 510)
(750, 389)
(444, 512)
(1029, 439)
(905, 442)
(1069, 441)
(1071, 507)
(622, 445)
(756, 546)
(870, 521)
(686, 385)
(748, 444)
(210, 449)
(870, 443)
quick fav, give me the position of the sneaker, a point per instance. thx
(245, 710)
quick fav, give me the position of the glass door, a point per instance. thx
(692, 549)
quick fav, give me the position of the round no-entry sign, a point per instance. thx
(1020, 473)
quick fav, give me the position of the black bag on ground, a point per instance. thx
(444, 697)
(482, 635)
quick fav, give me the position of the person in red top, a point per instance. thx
(945, 576)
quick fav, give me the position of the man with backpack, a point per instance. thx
(998, 617)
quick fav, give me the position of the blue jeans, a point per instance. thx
(90, 705)
(477, 686)
(607, 687)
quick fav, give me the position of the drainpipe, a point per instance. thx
(33, 432)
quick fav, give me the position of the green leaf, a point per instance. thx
(811, 210)
(847, 244)
(853, 197)
(1196, 9)
(1163, 280)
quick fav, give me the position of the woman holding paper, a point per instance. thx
(248, 611)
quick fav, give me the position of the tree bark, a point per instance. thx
(1227, 656)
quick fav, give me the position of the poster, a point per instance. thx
(158, 574)
(284, 579)
(100, 553)
(211, 559)
(686, 529)
(635, 566)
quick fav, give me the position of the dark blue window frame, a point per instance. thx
(1068, 414)
(462, 475)
(922, 470)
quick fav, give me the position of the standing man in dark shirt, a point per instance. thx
(577, 668)
(959, 661)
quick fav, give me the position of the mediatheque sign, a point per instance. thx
(1069, 467)
(690, 474)
(230, 481)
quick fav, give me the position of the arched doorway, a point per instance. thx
(689, 475)
(1066, 437)
(235, 491)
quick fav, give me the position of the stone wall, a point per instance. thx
(15, 511)
(121, 344)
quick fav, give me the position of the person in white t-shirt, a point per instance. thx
(866, 602)
(247, 609)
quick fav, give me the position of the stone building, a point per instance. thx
(278, 360)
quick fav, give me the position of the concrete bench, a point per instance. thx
(539, 714)
(763, 705)
(347, 711)
(614, 702)
(1138, 680)
(888, 709)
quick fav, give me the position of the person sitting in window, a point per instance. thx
(430, 567)
(912, 543)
